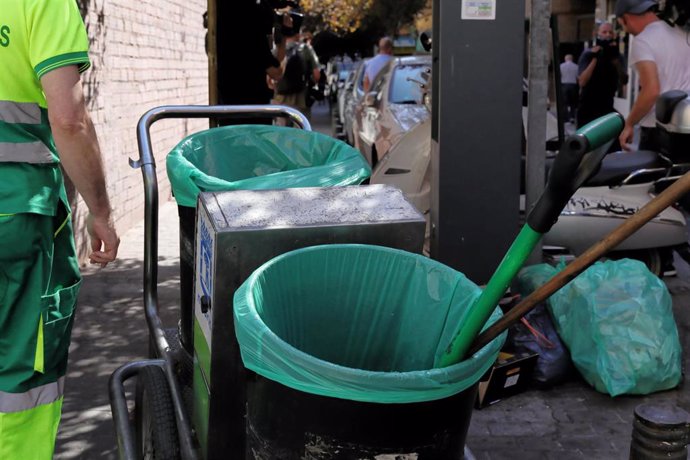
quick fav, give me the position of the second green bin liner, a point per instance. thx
(358, 322)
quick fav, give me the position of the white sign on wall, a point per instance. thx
(479, 9)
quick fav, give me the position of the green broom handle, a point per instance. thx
(494, 290)
(570, 170)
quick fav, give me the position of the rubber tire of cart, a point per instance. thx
(154, 416)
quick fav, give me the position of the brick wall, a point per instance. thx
(144, 53)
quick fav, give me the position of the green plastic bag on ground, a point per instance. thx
(255, 157)
(616, 318)
(358, 322)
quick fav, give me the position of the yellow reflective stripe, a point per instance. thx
(44, 394)
(62, 225)
(7, 215)
(39, 364)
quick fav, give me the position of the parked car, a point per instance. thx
(393, 106)
(336, 73)
(351, 100)
(342, 92)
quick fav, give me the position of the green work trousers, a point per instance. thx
(39, 282)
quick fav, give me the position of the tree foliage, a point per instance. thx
(337, 15)
(344, 17)
(393, 14)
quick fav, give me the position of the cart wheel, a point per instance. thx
(155, 417)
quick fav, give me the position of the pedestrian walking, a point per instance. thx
(569, 86)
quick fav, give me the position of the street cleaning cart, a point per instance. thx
(329, 348)
(198, 379)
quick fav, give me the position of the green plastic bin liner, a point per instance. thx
(254, 157)
(616, 318)
(358, 322)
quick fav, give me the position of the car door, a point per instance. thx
(371, 105)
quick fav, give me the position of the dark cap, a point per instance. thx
(633, 6)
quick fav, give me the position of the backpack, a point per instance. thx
(295, 76)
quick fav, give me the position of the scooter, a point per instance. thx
(625, 183)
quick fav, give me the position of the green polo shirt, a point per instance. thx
(36, 36)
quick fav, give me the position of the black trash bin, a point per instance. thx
(342, 339)
(249, 157)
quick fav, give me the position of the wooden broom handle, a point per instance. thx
(662, 201)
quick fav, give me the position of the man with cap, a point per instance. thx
(661, 57)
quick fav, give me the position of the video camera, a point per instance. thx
(676, 12)
(294, 12)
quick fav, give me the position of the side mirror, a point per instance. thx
(370, 99)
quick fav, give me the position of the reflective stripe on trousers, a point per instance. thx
(33, 150)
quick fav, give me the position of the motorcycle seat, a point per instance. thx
(616, 166)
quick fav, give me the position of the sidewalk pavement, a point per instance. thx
(570, 421)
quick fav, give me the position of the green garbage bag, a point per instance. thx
(616, 318)
(254, 157)
(358, 322)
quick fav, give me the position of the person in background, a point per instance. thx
(43, 125)
(298, 66)
(569, 86)
(661, 58)
(378, 62)
(601, 71)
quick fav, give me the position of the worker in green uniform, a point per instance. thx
(43, 123)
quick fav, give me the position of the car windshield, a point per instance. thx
(405, 87)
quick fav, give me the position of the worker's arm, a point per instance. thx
(586, 74)
(276, 68)
(80, 155)
(649, 92)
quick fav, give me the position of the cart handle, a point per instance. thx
(147, 164)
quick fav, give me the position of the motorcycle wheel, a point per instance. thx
(650, 257)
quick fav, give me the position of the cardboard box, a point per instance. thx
(509, 375)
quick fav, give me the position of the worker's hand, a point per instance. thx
(104, 240)
(626, 138)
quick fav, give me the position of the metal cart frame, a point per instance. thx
(147, 164)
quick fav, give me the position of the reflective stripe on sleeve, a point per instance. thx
(25, 152)
(20, 112)
(45, 394)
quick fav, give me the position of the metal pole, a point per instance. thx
(556, 59)
(537, 106)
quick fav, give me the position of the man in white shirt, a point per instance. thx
(661, 57)
(378, 62)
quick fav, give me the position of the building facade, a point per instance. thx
(144, 54)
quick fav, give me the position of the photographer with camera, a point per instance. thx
(661, 58)
(245, 57)
(300, 69)
(600, 72)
